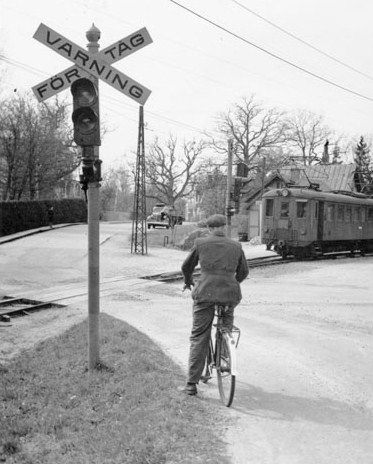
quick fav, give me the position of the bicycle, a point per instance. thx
(221, 356)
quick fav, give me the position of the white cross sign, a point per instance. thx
(97, 65)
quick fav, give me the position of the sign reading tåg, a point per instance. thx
(97, 65)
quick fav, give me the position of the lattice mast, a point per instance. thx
(139, 238)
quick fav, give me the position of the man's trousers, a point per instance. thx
(203, 316)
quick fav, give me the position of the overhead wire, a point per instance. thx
(188, 46)
(154, 115)
(304, 42)
(164, 118)
(23, 66)
(273, 55)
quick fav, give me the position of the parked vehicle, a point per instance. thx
(307, 222)
(164, 216)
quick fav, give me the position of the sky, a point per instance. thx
(196, 70)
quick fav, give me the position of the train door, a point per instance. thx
(267, 213)
(360, 219)
(320, 220)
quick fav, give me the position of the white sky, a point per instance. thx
(196, 70)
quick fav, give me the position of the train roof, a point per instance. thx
(307, 193)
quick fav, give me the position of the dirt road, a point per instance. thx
(305, 372)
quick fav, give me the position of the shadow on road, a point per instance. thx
(277, 406)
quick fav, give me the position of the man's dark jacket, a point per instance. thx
(223, 265)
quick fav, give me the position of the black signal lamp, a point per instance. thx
(85, 113)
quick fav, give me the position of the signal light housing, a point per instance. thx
(85, 115)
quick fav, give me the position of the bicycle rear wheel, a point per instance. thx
(225, 368)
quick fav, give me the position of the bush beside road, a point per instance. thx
(129, 411)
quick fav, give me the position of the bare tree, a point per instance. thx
(116, 193)
(35, 148)
(171, 173)
(306, 134)
(255, 131)
(211, 189)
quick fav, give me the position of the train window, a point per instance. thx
(269, 207)
(348, 214)
(357, 214)
(329, 213)
(363, 215)
(340, 213)
(370, 214)
(284, 209)
(301, 208)
(316, 209)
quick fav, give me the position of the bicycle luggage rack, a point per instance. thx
(10, 306)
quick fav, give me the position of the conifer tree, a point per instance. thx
(364, 168)
(336, 155)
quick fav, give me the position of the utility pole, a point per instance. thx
(228, 211)
(264, 164)
(93, 36)
(139, 239)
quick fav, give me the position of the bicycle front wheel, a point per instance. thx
(226, 368)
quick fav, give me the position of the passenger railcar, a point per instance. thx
(306, 222)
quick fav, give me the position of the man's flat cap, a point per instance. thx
(216, 220)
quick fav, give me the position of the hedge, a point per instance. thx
(16, 216)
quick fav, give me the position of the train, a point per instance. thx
(307, 222)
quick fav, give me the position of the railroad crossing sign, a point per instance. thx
(88, 64)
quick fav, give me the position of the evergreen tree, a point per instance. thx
(336, 155)
(364, 167)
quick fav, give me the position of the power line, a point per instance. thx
(301, 40)
(36, 71)
(23, 66)
(164, 118)
(273, 55)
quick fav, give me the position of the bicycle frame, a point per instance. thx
(229, 336)
(225, 340)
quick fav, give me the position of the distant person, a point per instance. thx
(50, 216)
(223, 268)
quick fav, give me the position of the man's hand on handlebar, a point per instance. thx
(188, 286)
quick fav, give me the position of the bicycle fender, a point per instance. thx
(231, 343)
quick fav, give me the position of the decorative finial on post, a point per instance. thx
(93, 36)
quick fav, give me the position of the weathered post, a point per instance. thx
(228, 211)
(93, 36)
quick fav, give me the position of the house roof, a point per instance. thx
(330, 177)
(252, 189)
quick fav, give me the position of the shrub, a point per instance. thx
(16, 216)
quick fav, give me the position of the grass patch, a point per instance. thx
(52, 410)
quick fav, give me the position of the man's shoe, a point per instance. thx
(189, 389)
(205, 378)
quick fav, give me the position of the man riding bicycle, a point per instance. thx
(223, 268)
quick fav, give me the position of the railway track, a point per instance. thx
(253, 262)
(52, 297)
(22, 306)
